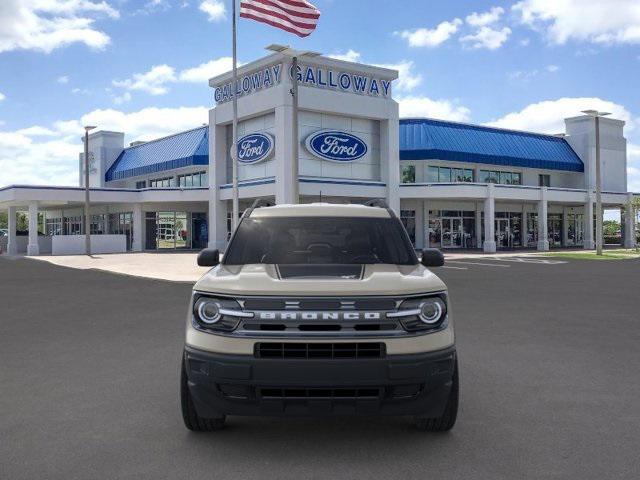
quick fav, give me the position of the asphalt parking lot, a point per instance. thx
(549, 364)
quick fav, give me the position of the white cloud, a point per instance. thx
(157, 80)
(525, 42)
(486, 18)
(203, 72)
(45, 25)
(424, 37)
(63, 79)
(487, 37)
(349, 56)
(527, 75)
(214, 9)
(120, 99)
(48, 155)
(420, 106)
(548, 116)
(407, 78)
(595, 21)
(154, 81)
(2, 96)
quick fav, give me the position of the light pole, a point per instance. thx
(295, 146)
(596, 114)
(87, 217)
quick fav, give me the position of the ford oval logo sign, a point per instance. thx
(336, 146)
(255, 147)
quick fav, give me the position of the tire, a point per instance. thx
(448, 418)
(192, 420)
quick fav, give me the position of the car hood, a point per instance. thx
(263, 279)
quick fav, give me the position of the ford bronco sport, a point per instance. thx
(319, 309)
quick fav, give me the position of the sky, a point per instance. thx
(141, 66)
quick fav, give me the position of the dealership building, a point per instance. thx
(454, 185)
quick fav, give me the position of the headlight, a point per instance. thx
(219, 314)
(208, 310)
(432, 310)
(427, 313)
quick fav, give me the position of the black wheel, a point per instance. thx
(448, 418)
(192, 420)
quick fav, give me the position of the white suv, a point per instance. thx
(319, 309)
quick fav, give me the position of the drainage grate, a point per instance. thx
(320, 350)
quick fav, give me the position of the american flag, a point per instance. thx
(294, 16)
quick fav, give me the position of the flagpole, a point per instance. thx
(234, 148)
(295, 191)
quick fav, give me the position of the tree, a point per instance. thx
(3, 220)
(611, 228)
(635, 213)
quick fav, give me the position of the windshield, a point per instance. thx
(320, 240)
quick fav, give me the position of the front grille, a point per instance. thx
(320, 304)
(328, 393)
(363, 350)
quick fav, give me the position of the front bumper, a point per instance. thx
(415, 384)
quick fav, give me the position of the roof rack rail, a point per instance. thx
(381, 203)
(257, 203)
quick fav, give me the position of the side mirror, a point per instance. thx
(432, 257)
(209, 257)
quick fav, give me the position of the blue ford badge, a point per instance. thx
(336, 146)
(255, 147)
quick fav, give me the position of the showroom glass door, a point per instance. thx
(451, 233)
(166, 230)
(504, 239)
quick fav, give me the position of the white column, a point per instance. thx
(543, 240)
(425, 230)
(419, 224)
(390, 160)
(218, 209)
(138, 220)
(478, 226)
(284, 156)
(489, 245)
(32, 246)
(12, 246)
(589, 242)
(629, 224)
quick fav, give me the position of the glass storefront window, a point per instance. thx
(532, 229)
(176, 230)
(432, 174)
(504, 178)
(447, 175)
(452, 229)
(554, 229)
(408, 174)
(575, 229)
(544, 180)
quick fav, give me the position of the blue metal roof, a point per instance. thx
(427, 139)
(176, 151)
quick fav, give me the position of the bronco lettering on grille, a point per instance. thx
(319, 315)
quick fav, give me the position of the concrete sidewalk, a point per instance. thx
(182, 267)
(175, 267)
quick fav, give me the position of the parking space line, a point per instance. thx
(478, 263)
(540, 261)
(457, 268)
